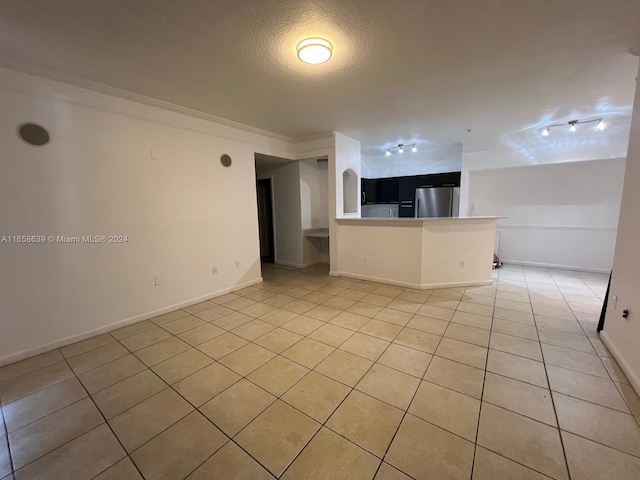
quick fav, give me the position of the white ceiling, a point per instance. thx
(420, 71)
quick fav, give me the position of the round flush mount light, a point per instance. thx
(314, 51)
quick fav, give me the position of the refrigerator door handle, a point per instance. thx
(417, 207)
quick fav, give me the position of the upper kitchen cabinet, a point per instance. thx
(451, 179)
(406, 196)
(369, 190)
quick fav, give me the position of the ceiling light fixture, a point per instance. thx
(314, 51)
(572, 125)
(401, 148)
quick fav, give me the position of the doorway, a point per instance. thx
(265, 220)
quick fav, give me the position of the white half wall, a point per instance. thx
(347, 158)
(622, 336)
(116, 167)
(561, 215)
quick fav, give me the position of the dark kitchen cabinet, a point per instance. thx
(369, 190)
(387, 190)
(406, 196)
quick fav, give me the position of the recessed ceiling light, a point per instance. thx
(314, 51)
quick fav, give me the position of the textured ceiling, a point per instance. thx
(421, 70)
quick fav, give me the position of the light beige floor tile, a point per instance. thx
(139, 327)
(237, 406)
(328, 454)
(159, 320)
(316, 395)
(523, 398)
(278, 375)
(516, 297)
(29, 365)
(125, 394)
(40, 404)
(366, 421)
(277, 435)
(554, 312)
(180, 449)
(121, 470)
(603, 425)
(344, 367)
(279, 316)
(442, 302)
(223, 345)
(331, 335)
(586, 387)
(299, 306)
(405, 359)
(111, 373)
(182, 365)
(523, 440)
(29, 383)
(199, 307)
(453, 411)
(365, 309)
(141, 340)
(491, 466)
(464, 333)
(338, 303)
(404, 306)
(352, 295)
(183, 324)
(574, 360)
(317, 297)
(87, 345)
(462, 352)
(387, 472)
(566, 340)
(239, 303)
(514, 328)
(393, 316)
(478, 309)
(552, 325)
(141, 423)
(97, 357)
(436, 312)
(44, 435)
(418, 339)
(416, 296)
(308, 352)
(425, 451)
(322, 313)
(302, 325)
(203, 333)
(614, 370)
(427, 324)
(365, 346)
(83, 457)
(258, 309)
(253, 330)
(515, 345)
(456, 376)
(511, 305)
(592, 461)
(388, 291)
(231, 321)
(390, 386)
(349, 320)
(279, 300)
(472, 320)
(230, 463)
(206, 383)
(480, 299)
(453, 292)
(5, 460)
(513, 316)
(379, 329)
(516, 367)
(161, 351)
(278, 340)
(377, 300)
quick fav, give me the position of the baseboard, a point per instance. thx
(556, 266)
(417, 286)
(21, 355)
(624, 366)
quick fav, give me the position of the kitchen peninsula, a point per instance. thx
(418, 253)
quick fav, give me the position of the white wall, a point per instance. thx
(622, 336)
(117, 167)
(440, 159)
(560, 215)
(347, 156)
(314, 193)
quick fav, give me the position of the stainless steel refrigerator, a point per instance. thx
(437, 202)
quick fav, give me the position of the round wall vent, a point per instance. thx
(33, 134)
(225, 160)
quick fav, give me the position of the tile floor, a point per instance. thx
(307, 376)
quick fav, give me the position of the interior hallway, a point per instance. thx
(306, 375)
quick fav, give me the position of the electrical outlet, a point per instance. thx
(157, 280)
(461, 265)
(614, 302)
(214, 269)
(237, 263)
(364, 261)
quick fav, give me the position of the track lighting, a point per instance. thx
(572, 125)
(401, 148)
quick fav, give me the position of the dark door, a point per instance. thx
(265, 220)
